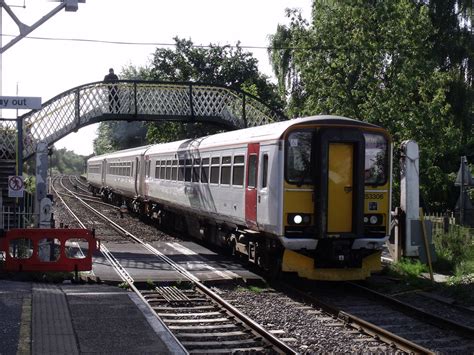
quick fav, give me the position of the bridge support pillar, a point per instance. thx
(41, 206)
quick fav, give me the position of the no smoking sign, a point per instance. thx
(16, 186)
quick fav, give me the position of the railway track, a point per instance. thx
(409, 328)
(199, 317)
(368, 314)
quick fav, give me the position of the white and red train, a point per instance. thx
(308, 195)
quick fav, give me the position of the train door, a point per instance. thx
(251, 183)
(340, 185)
(137, 176)
(340, 182)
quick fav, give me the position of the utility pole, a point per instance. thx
(25, 30)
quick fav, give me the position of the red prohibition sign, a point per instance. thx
(15, 183)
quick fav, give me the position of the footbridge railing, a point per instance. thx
(137, 100)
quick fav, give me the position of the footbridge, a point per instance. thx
(132, 100)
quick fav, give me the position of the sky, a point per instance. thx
(46, 68)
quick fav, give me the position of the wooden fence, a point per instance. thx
(445, 223)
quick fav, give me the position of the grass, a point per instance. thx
(254, 289)
(150, 284)
(455, 252)
(124, 285)
(455, 257)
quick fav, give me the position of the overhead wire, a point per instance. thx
(164, 44)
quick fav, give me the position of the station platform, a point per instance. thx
(144, 266)
(43, 318)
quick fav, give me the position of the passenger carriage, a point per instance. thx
(309, 195)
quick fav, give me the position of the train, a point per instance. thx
(309, 196)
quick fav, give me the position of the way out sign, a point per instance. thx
(20, 102)
(16, 186)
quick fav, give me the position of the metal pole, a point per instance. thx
(19, 125)
(461, 200)
(1, 54)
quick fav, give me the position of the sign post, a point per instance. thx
(16, 186)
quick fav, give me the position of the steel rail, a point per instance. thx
(273, 340)
(79, 181)
(82, 225)
(435, 320)
(76, 186)
(360, 324)
(122, 272)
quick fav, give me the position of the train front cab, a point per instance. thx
(336, 199)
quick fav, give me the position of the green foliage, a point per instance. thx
(30, 184)
(409, 268)
(220, 65)
(64, 161)
(124, 285)
(115, 135)
(150, 284)
(403, 64)
(455, 251)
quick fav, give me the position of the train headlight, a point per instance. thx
(373, 219)
(299, 218)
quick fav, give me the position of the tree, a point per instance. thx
(222, 65)
(281, 55)
(373, 61)
(64, 161)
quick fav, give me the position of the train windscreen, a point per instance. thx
(298, 157)
(376, 160)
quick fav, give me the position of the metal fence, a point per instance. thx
(19, 216)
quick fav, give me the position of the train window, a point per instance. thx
(265, 171)
(215, 162)
(174, 170)
(196, 164)
(168, 169)
(238, 172)
(225, 170)
(163, 170)
(252, 171)
(181, 170)
(298, 157)
(376, 160)
(187, 170)
(148, 168)
(205, 170)
(157, 169)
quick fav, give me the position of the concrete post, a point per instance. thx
(41, 181)
(409, 192)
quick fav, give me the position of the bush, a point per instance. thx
(454, 251)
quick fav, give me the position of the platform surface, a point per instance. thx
(43, 318)
(144, 266)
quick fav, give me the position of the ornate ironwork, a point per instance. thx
(8, 137)
(142, 101)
